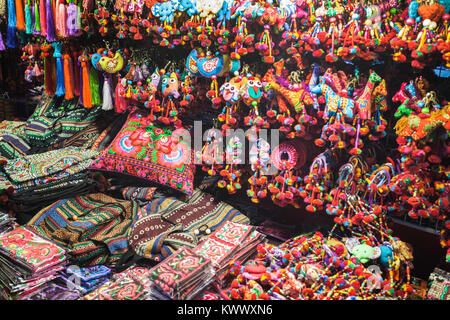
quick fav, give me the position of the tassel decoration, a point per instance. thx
(20, 19)
(85, 88)
(37, 18)
(72, 27)
(61, 20)
(76, 72)
(51, 31)
(11, 38)
(28, 22)
(48, 70)
(95, 87)
(107, 94)
(68, 77)
(2, 8)
(60, 88)
(42, 18)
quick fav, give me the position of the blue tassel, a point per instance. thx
(60, 88)
(11, 38)
(28, 22)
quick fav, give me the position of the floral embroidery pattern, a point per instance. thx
(149, 151)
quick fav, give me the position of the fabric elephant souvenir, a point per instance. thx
(165, 10)
(363, 252)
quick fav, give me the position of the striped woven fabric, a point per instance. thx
(93, 228)
(13, 146)
(61, 120)
(12, 143)
(166, 224)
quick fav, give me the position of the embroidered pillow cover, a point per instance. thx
(150, 151)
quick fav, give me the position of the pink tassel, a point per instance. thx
(42, 18)
(61, 20)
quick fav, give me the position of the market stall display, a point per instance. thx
(157, 119)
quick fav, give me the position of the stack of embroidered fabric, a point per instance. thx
(181, 276)
(27, 262)
(131, 284)
(85, 279)
(37, 180)
(231, 242)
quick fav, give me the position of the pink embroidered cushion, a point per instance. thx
(150, 151)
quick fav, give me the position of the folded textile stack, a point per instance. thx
(40, 179)
(85, 279)
(131, 284)
(231, 241)
(181, 276)
(27, 262)
(7, 223)
(53, 291)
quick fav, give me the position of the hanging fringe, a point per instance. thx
(107, 94)
(85, 87)
(78, 21)
(3, 8)
(48, 70)
(95, 87)
(68, 77)
(60, 88)
(28, 22)
(76, 73)
(61, 20)
(37, 18)
(51, 31)
(11, 38)
(20, 19)
(73, 20)
(120, 102)
(42, 18)
(34, 15)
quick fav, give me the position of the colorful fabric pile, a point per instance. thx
(131, 284)
(182, 275)
(232, 241)
(28, 262)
